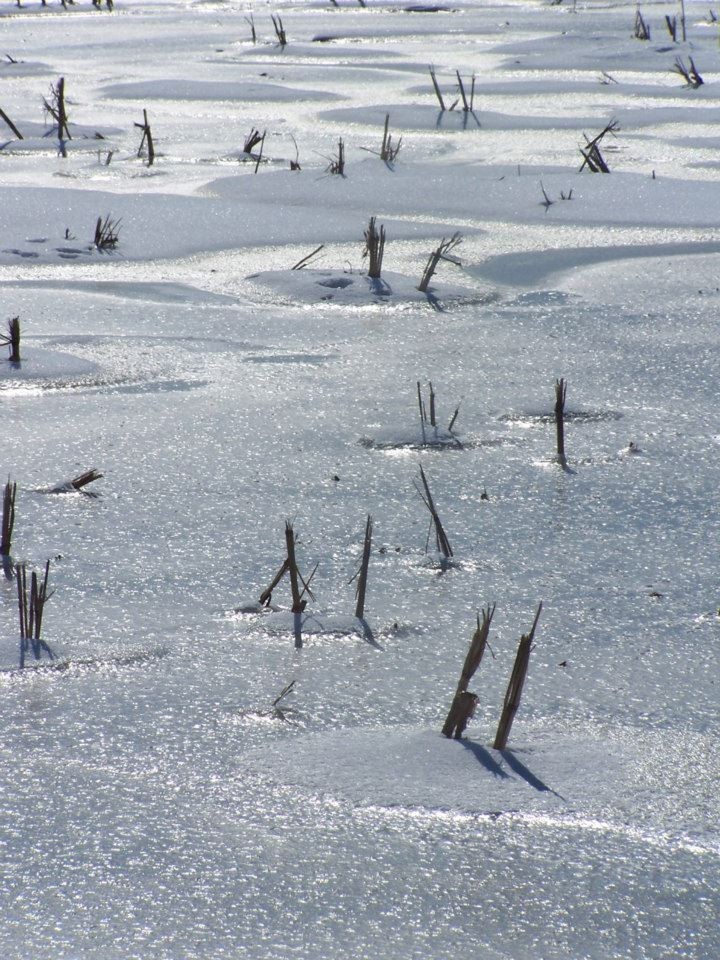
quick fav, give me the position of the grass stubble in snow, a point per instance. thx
(154, 801)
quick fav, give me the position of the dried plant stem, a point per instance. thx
(85, 478)
(560, 395)
(463, 704)
(437, 88)
(146, 140)
(8, 517)
(441, 252)
(266, 595)
(443, 544)
(515, 687)
(8, 121)
(363, 575)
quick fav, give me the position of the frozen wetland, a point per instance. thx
(154, 803)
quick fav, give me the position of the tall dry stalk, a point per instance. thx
(363, 573)
(8, 518)
(441, 539)
(560, 395)
(515, 687)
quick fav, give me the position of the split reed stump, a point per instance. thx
(515, 687)
(464, 702)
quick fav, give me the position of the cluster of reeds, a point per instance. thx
(12, 339)
(690, 74)
(336, 163)
(147, 143)
(279, 31)
(31, 606)
(389, 149)
(252, 140)
(428, 413)
(441, 252)
(300, 590)
(107, 233)
(374, 248)
(465, 96)
(591, 153)
(642, 27)
(464, 702)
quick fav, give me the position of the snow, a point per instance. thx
(156, 802)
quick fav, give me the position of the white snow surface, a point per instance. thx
(157, 801)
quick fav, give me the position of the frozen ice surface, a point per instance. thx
(155, 802)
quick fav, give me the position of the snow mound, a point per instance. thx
(39, 364)
(356, 289)
(419, 768)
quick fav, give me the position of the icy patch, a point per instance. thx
(188, 90)
(39, 364)
(416, 771)
(356, 289)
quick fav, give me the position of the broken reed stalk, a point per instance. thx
(283, 693)
(8, 518)
(421, 407)
(433, 421)
(55, 106)
(297, 603)
(515, 687)
(437, 88)
(304, 261)
(592, 156)
(443, 544)
(259, 157)
(252, 140)
(266, 595)
(682, 20)
(279, 31)
(295, 164)
(146, 139)
(106, 233)
(690, 74)
(31, 606)
(12, 339)
(671, 24)
(374, 248)
(85, 478)
(463, 705)
(467, 103)
(560, 395)
(439, 253)
(364, 565)
(8, 121)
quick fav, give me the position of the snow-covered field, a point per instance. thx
(154, 805)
